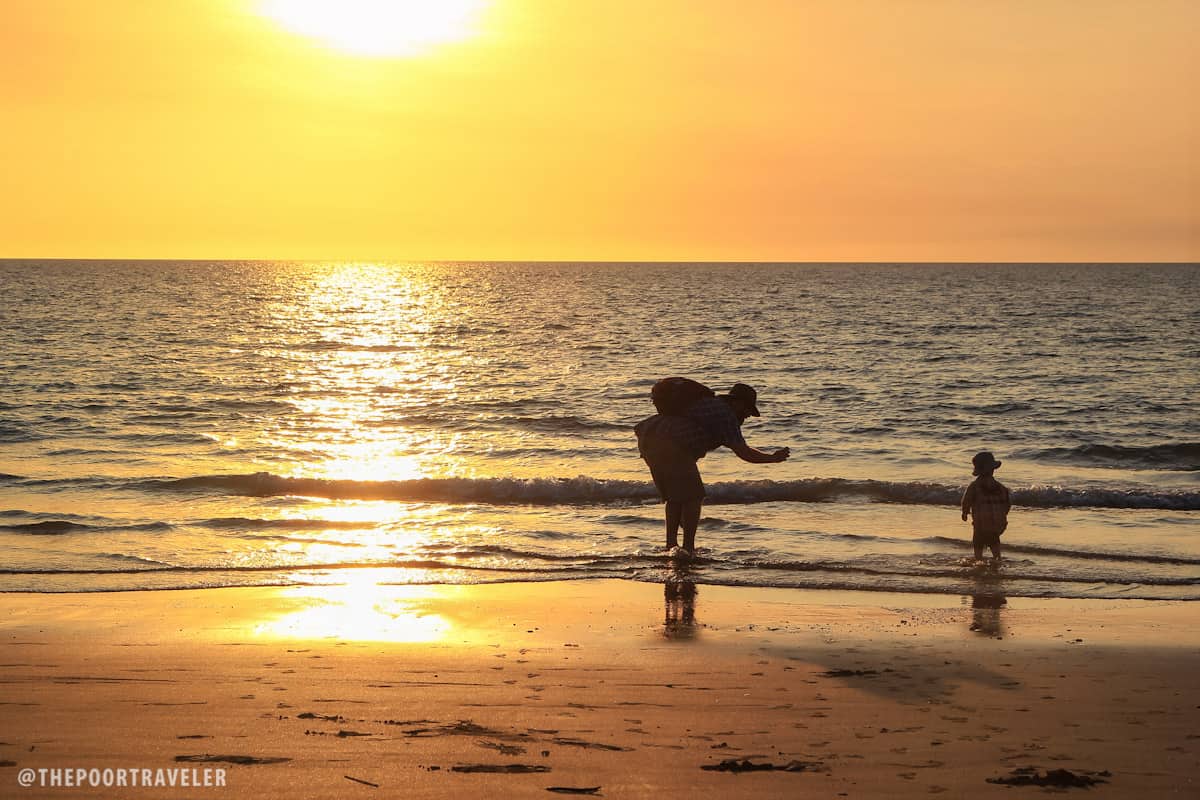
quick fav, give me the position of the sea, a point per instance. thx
(180, 424)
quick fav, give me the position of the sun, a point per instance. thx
(378, 27)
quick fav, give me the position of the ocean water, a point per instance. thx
(182, 424)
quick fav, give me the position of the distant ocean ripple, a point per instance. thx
(178, 424)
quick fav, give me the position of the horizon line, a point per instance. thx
(157, 259)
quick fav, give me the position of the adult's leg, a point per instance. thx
(678, 480)
(674, 512)
(690, 519)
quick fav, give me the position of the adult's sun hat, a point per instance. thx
(746, 395)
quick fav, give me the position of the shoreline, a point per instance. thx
(823, 595)
(633, 687)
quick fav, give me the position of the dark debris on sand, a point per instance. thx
(590, 745)
(246, 760)
(464, 727)
(738, 765)
(503, 749)
(504, 769)
(1055, 778)
(594, 790)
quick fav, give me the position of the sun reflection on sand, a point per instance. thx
(361, 610)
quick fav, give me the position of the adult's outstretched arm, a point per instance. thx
(755, 456)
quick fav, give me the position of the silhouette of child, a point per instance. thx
(986, 501)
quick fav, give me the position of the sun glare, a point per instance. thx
(361, 610)
(378, 27)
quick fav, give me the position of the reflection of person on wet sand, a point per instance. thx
(985, 614)
(679, 617)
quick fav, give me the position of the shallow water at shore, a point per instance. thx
(169, 425)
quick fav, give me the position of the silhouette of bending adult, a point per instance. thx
(671, 444)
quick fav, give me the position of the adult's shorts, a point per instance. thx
(674, 470)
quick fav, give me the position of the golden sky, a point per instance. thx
(787, 130)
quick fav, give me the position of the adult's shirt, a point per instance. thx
(708, 423)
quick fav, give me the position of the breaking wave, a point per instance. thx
(584, 490)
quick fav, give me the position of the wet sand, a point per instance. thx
(601, 688)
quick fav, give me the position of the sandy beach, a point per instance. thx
(603, 688)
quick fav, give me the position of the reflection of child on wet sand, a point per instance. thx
(986, 501)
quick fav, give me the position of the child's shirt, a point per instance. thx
(986, 499)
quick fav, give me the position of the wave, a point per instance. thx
(499, 491)
(556, 424)
(12, 433)
(408, 563)
(167, 438)
(1182, 457)
(1005, 408)
(67, 523)
(516, 564)
(584, 490)
(1060, 497)
(333, 346)
(237, 404)
(163, 418)
(147, 564)
(56, 527)
(1145, 558)
(244, 523)
(957, 570)
(831, 489)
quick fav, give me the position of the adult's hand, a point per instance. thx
(782, 454)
